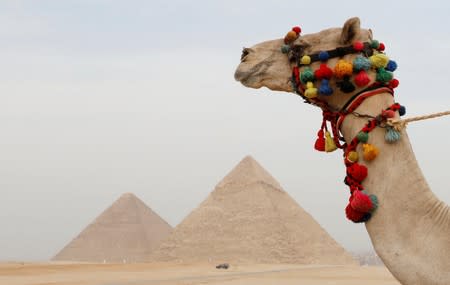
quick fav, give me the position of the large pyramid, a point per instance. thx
(249, 218)
(125, 232)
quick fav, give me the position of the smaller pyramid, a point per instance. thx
(249, 218)
(127, 231)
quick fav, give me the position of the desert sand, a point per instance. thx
(176, 274)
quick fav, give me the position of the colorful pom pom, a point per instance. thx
(383, 76)
(370, 152)
(361, 202)
(393, 83)
(290, 37)
(362, 137)
(381, 47)
(379, 60)
(307, 75)
(285, 48)
(402, 111)
(324, 72)
(358, 46)
(325, 88)
(320, 141)
(323, 56)
(392, 135)
(305, 60)
(374, 44)
(352, 156)
(361, 63)
(310, 91)
(329, 143)
(357, 171)
(297, 30)
(354, 215)
(343, 68)
(391, 66)
(362, 79)
(346, 86)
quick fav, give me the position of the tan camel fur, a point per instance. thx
(410, 230)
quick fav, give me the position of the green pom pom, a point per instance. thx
(307, 75)
(362, 137)
(374, 44)
(285, 48)
(384, 76)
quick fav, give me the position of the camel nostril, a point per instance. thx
(245, 52)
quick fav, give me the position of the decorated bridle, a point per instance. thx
(312, 84)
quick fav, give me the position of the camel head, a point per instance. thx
(267, 64)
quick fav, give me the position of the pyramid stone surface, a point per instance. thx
(249, 218)
(125, 232)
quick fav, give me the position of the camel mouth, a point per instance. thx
(247, 75)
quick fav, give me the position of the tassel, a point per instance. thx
(361, 202)
(320, 141)
(370, 152)
(354, 215)
(311, 91)
(392, 135)
(329, 143)
(388, 114)
(325, 88)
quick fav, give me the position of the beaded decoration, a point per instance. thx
(349, 75)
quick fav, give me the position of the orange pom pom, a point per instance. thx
(370, 152)
(343, 68)
(290, 37)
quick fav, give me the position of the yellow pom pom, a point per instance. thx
(343, 68)
(379, 60)
(310, 91)
(370, 152)
(290, 37)
(329, 143)
(305, 60)
(353, 156)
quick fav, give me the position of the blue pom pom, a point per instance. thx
(361, 63)
(402, 110)
(324, 56)
(325, 88)
(391, 66)
(285, 48)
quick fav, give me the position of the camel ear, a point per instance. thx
(350, 30)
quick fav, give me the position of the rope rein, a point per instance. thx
(401, 124)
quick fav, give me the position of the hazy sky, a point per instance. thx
(98, 98)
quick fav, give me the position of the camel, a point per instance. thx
(410, 230)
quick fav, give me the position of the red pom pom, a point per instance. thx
(358, 46)
(320, 142)
(353, 215)
(361, 202)
(393, 83)
(381, 47)
(323, 72)
(362, 79)
(297, 30)
(357, 171)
